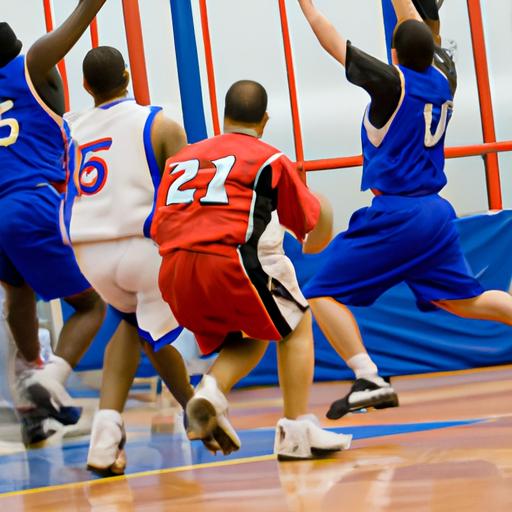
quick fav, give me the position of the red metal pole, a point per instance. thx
(210, 71)
(136, 54)
(292, 86)
(484, 95)
(94, 33)
(453, 152)
(48, 18)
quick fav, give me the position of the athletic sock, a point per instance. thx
(364, 368)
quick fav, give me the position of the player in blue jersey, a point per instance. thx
(33, 258)
(407, 234)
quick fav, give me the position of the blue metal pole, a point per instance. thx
(189, 76)
(389, 23)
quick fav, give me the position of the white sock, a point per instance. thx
(57, 369)
(363, 366)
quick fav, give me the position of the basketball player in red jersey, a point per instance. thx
(226, 278)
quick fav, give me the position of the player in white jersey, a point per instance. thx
(121, 148)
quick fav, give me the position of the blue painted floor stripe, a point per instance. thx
(66, 464)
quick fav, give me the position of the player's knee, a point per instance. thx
(88, 302)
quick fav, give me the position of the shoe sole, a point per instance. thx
(316, 454)
(203, 424)
(105, 472)
(376, 402)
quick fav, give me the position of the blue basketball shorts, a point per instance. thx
(397, 239)
(31, 247)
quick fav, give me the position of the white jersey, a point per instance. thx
(118, 176)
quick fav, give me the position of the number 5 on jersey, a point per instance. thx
(216, 191)
(94, 170)
(12, 124)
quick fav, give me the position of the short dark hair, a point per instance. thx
(414, 45)
(104, 70)
(10, 45)
(246, 102)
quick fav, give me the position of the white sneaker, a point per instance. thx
(207, 416)
(106, 454)
(303, 438)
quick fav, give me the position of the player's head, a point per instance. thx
(414, 45)
(105, 74)
(246, 107)
(10, 45)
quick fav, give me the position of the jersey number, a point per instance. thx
(216, 192)
(93, 170)
(12, 124)
(431, 139)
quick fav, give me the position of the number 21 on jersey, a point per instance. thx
(12, 124)
(216, 191)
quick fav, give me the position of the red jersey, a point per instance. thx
(219, 193)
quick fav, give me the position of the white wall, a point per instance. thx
(247, 44)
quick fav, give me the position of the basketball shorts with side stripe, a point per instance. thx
(223, 296)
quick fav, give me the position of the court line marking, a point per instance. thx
(153, 472)
(190, 467)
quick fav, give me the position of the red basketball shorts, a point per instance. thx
(216, 296)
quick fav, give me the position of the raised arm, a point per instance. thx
(405, 10)
(167, 138)
(325, 32)
(47, 51)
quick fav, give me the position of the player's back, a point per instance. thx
(216, 194)
(113, 190)
(32, 137)
(406, 156)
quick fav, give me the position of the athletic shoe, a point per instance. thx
(303, 438)
(37, 429)
(106, 454)
(363, 394)
(34, 387)
(207, 416)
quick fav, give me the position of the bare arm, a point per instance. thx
(405, 10)
(325, 32)
(322, 232)
(47, 51)
(167, 138)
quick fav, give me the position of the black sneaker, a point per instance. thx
(36, 427)
(363, 394)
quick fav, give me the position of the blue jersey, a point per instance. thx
(406, 156)
(32, 137)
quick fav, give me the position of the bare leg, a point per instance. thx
(296, 359)
(235, 361)
(21, 316)
(81, 327)
(120, 363)
(339, 326)
(171, 367)
(491, 305)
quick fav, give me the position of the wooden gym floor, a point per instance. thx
(448, 447)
